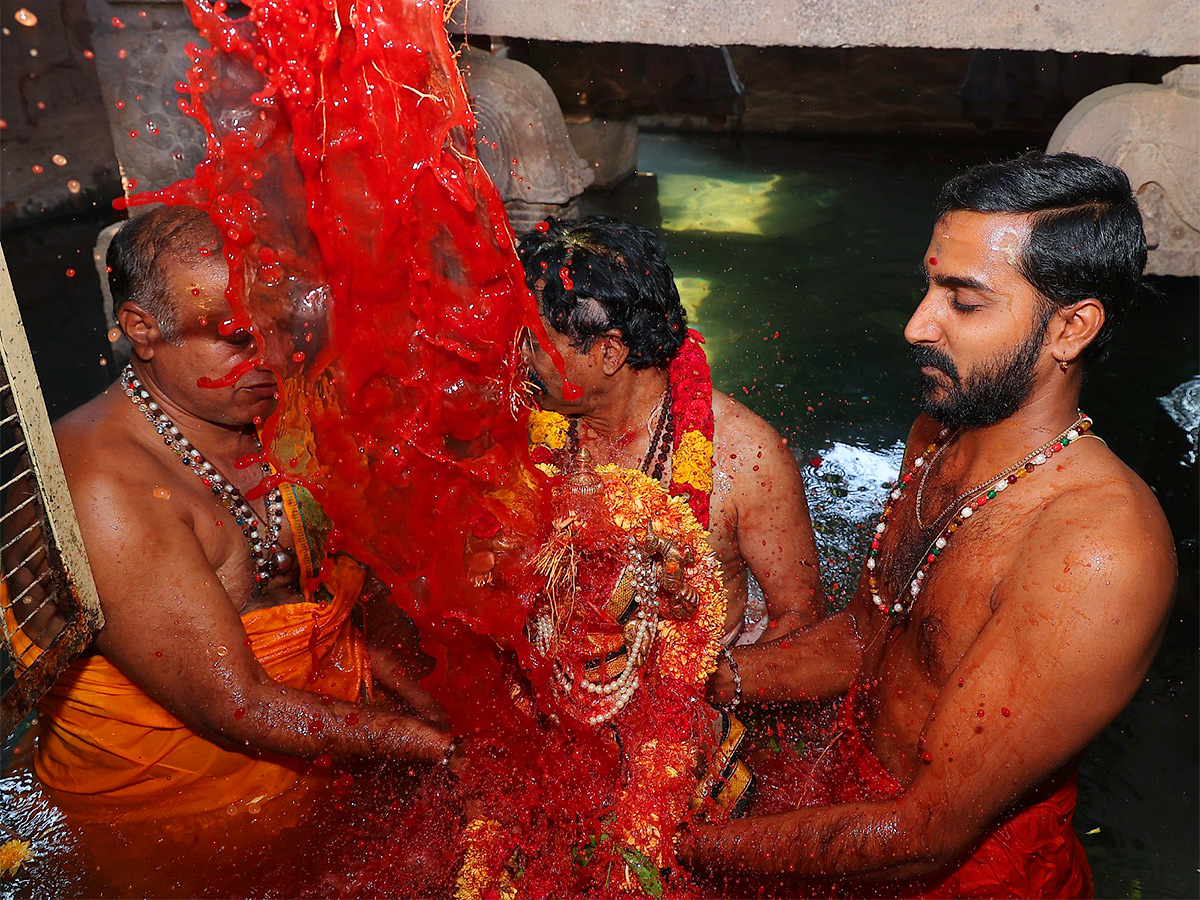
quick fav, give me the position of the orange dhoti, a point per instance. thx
(106, 748)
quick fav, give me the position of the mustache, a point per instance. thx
(934, 358)
(535, 379)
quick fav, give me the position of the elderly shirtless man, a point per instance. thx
(216, 675)
(1019, 581)
(608, 300)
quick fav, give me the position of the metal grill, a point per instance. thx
(48, 599)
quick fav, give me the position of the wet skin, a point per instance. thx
(1033, 630)
(759, 516)
(173, 569)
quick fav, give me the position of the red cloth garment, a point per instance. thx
(1031, 852)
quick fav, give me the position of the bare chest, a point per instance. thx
(227, 544)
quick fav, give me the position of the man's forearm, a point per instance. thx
(813, 664)
(855, 840)
(279, 719)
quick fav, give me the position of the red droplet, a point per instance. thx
(815, 462)
(979, 713)
(352, 718)
(927, 757)
(933, 260)
(37, 169)
(122, 53)
(324, 761)
(132, 133)
(88, 54)
(158, 653)
(117, 23)
(571, 391)
(240, 712)
(1005, 711)
(542, 226)
(70, 273)
(315, 725)
(298, 356)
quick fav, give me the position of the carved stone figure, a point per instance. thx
(1153, 133)
(522, 139)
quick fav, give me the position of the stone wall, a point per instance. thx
(1154, 27)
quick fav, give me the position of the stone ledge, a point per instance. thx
(1071, 26)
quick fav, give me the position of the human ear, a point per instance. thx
(1074, 327)
(614, 352)
(141, 328)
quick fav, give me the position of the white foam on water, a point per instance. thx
(1183, 406)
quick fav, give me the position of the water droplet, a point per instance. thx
(58, 159)
(74, 186)
(25, 17)
(161, 493)
(222, 650)
(114, 335)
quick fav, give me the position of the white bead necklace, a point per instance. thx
(268, 556)
(603, 700)
(979, 496)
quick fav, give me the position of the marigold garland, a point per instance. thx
(690, 381)
(664, 725)
(691, 406)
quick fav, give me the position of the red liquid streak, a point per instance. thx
(360, 226)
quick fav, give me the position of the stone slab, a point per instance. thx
(1153, 27)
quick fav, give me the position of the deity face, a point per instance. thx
(202, 351)
(979, 332)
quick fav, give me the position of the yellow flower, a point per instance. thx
(548, 428)
(693, 463)
(12, 855)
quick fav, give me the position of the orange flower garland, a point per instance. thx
(623, 516)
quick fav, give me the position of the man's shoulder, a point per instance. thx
(740, 425)
(102, 458)
(1101, 526)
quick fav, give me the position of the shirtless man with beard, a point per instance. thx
(1018, 584)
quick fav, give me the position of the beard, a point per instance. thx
(988, 394)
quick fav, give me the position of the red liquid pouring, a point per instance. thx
(370, 257)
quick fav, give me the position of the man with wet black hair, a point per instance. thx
(637, 393)
(1018, 580)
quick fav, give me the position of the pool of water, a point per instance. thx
(798, 260)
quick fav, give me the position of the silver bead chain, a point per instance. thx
(263, 548)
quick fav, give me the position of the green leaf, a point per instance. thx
(1135, 889)
(644, 870)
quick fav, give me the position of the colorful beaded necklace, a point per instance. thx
(978, 497)
(268, 556)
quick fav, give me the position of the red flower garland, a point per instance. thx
(691, 407)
